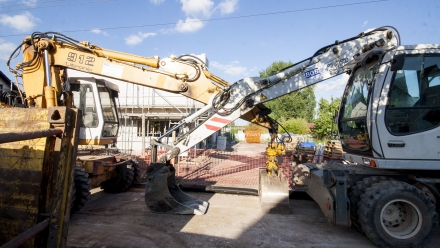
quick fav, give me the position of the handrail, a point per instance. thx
(18, 136)
(28, 234)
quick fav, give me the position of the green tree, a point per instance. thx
(324, 124)
(298, 104)
(255, 127)
(296, 126)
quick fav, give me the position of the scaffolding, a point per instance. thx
(147, 113)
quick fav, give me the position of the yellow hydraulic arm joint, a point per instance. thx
(216, 79)
(272, 151)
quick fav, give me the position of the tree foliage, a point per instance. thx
(324, 123)
(255, 127)
(298, 104)
(296, 126)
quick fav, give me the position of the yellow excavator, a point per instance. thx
(44, 178)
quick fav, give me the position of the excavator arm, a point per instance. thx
(245, 97)
(46, 55)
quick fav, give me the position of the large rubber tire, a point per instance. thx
(121, 182)
(136, 171)
(355, 196)
(82, 189)
(396, 214)
(72, 199)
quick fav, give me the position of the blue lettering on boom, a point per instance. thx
(311, 73)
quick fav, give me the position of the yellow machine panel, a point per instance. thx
(35, 186)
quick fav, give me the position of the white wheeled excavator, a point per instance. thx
(389, 127)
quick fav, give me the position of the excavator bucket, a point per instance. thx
(274, 193)
(163, 195)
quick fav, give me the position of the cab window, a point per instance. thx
(414, 98)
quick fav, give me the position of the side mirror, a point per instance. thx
(397, 62)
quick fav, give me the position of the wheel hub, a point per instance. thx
(394, 215)
(401, 219)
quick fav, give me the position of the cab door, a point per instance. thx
(409, 120)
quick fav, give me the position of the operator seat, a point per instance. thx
(429, 102)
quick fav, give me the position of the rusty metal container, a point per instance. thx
(36, 174)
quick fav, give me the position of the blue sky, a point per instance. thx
(239, 37)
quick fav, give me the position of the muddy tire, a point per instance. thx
(136, 171)
(355, 196)
(72, 199)
(396, 214)
(81, 191)
(121, 182)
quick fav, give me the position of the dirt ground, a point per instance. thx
(123, 220)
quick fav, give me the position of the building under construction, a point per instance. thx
(146, 113)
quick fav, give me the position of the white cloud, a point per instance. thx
(157, 2)
(23, 22)
(365, 23)
(236, 70)
(99, 31)
(233, 68)
(331, 88)
(196, 8)
(31, 3)
(135, 39)
(6, 48)
(335, 83)
(189, 25)
(227, 6)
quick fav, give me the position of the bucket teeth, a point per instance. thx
(163, 195)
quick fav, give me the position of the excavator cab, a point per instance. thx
(96, 99)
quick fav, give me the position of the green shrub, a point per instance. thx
(296, 126)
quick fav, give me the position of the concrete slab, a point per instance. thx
(123, 220)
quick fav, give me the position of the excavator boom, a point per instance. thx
(244, 98)
(184, 75)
